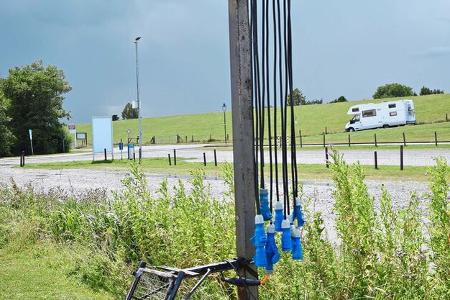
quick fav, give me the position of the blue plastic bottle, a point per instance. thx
(298, 214)
(278, 215)
(272, 253)
(297, 251)
(259, 241)
(264, 203)
(286, 240)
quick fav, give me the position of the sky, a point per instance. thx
(341, 47)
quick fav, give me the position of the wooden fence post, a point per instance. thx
(404, 139)
(375, 139)
(170, 161)
(349, 141)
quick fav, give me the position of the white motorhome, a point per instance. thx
(385, 114)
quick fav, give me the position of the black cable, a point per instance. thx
(263, 96)
(269, 123)
(291, 90)
(253, 27)
(275, 96)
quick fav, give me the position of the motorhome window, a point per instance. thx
(392, 105)
(355, 118)
(369, 113)
(355, 109)
(393, 113)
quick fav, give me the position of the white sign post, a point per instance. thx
(73, 131)
(102, 136)
(30, 132)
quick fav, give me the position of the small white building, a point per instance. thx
(377, 115)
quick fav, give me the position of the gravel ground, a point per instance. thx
(320, 191)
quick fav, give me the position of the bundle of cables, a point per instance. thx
(272, 75)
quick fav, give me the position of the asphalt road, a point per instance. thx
(412, 157)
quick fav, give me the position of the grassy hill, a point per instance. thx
(312, 120)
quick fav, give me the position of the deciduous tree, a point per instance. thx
(36, 95)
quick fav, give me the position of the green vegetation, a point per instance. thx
(41, 270)
(393, 90)
(383, 253)
(34, 100)
(184, 167)
(312, 120)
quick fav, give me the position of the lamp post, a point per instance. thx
(138, 99)
(224, 109)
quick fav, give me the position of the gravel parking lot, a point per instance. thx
(321, 191)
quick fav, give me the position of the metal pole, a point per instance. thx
(323, 139)
(138, 99)
(224, 108)
(404, 139)
(174, 157)
(204, 159)
(435, 138)
(327, 162)
(170, 161)
(375, 139)
(301, 138)
(242, 121)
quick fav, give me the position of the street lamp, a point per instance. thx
(138, 99)
(224, 109)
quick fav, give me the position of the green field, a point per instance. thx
(312, 120)
(184, 167)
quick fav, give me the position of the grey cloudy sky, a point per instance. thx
(342, 47)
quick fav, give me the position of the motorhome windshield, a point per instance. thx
(354, 119)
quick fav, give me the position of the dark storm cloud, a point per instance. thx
(345, 47)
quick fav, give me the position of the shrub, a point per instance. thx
(392, 90)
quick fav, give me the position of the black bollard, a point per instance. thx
(375, 156)
(401, 157)
(215, 157)
(174, 157)
(327, 162)
(170, 161)
(204, 158)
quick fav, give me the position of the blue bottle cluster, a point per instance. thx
(267, 252)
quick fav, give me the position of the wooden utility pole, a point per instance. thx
(241, 92)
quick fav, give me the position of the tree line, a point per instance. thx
(390, 90)
(31, 97)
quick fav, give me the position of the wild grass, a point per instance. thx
(381, 252)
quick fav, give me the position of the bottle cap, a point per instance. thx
(259, 219)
